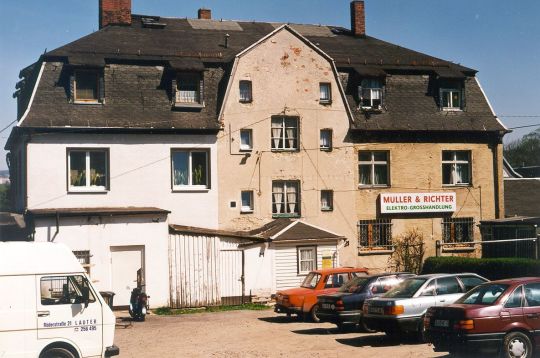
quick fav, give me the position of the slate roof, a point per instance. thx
(138, 96)
(522, 196)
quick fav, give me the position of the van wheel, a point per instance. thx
(313, 314)
(57, 353)
(517, 344)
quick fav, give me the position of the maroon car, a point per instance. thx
(500, 315)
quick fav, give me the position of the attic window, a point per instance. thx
(188, 88)
(450, 99)
(370, 93)
(87, 86)
(152, 22)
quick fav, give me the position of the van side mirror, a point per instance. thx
(85, 290)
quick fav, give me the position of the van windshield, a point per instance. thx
(354, 285)
(311, 280)
(406, 289)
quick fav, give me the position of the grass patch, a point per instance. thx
(166, 311)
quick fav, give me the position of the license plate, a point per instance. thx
(376, 310)
(327, 306)
(441, 323)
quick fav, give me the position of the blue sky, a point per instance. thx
(499, 38)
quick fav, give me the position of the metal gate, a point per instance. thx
(232, 277)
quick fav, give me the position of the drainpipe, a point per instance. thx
(335, 257)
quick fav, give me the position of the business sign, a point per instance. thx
(409, 203)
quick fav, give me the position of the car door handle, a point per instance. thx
(43, 313)
(442, 300)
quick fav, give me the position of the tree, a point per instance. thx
(408, 255)
(525, 151)
(4, 197)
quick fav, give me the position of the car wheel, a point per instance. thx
(421, 334)
(364, 328)
(517, 344)
(57, 353)
(392, 334)
(313, 314)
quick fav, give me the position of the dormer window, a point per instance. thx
(370, 93)
(188, 90)
(87, 86)
(451, 99)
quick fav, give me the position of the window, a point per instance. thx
(247, 201)
(246, 139)
(326, 93)
(326, 140)
(470, 282)
(88, 169)
(516, 298)
(311, 280)
(375, 234)
(307, 259)
(532, 294)
(284, 133)
(336, 280)
(190, 169)
(189, 88)
(86, 86)
(245, 92)
(456, 230)
(447, 286)
(64, 290)
(373, 168)
(285, 198)
(370, 93)
(450, 99)
(84, 259)
(456, 167)
(327, 200)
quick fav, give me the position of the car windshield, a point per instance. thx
(406, 288)
(354, 285)
(483, 295)
(311, 280)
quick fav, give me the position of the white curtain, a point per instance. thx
(290, 137)
(291, 198)
(325, 92)
(278, 197)
(277, 134)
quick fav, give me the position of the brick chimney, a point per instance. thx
(205, 14)
(114, 12)
(358, 18)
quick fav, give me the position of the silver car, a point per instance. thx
(402, 309)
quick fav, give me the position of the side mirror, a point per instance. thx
(85, 290)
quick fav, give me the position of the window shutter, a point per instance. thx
(72, 88)
(174, 88)
(101, 88)
(201, 90)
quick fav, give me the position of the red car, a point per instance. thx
(303, 300)
(500, 315)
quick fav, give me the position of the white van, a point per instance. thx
(48, 307)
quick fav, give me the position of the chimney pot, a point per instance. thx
(114, 12)
(358, 18)
(205, 14)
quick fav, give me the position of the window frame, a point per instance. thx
(454, 162)
(299, 261)
(453, 222)
(247, 209)
(371, 89)
(249, 147)
(98, 74)
(450, 90)
(250, 91)
(373, 163)
(88, 188)
(325, 101)
(285, 201)
(369, 224)
(330, 133)
(70, 279)
(84, 258)
(189, 186)
(330, 199)
(198, 78)
(283, 138)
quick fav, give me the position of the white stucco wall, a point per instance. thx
(140, 175)
(98, 234)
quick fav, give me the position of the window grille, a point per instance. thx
(375, 234)
(84, 259)
(458, 230)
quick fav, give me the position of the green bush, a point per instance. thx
(493, 269)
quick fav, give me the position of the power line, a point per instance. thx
(527, 126)
(9, 125)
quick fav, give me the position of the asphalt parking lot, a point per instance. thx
(254, 334)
